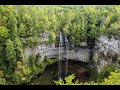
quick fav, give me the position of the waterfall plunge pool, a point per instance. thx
(83, 71)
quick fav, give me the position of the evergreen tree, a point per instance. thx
(18, 49)
(10, 55)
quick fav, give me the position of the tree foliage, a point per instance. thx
(112, 79)
(23, 26)
(10, 55)
(18, 49)
(3, 33)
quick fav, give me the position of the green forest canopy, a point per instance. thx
(22, 25)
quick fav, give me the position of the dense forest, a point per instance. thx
(23, 26)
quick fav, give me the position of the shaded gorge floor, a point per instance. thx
(83, 71)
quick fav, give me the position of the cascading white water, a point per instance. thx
(63, 40)
(66, 69)
(60, 56)
(67, 53)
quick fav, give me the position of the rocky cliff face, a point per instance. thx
(109, 50)
(53, 52)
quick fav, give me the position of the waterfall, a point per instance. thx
(66, 68)
(60, 55)
(66, 53)
(63, 41)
